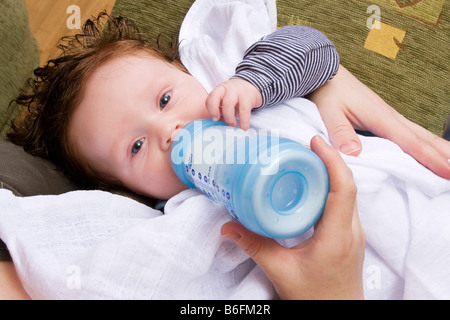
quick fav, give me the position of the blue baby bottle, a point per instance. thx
(274, 186)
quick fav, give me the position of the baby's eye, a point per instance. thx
(137, 146)
(164, 101)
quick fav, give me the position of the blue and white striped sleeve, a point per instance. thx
(290, 62)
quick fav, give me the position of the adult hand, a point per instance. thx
(346, 104)
(329, 264)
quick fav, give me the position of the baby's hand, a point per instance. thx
(231, 96)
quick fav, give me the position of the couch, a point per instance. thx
(405, 61)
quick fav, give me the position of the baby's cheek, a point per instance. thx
(163, 184)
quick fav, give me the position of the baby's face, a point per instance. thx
(125, 123)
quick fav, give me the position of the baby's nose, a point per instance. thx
(169, 135)
(175, 132)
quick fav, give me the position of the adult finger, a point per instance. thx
(438, 143)
(341, 131)
(428, 149)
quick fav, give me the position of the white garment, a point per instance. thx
(404, 208)
(220, 36)
(96, 245)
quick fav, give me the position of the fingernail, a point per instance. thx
(215, 119)
(232, 236)
(350, 148)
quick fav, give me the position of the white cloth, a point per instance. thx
(96, 245)
(213, 45)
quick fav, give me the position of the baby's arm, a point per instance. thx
(291, 62)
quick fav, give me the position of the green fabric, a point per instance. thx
(155, 17)
(416, 82)
(19, 55)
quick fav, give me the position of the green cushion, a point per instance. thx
(410, 71)
(155, 17)
(19, 56)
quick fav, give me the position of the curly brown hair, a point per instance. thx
(58, 87)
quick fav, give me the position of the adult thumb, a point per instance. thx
(341, 132)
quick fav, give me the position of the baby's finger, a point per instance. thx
(244, 119)
(229, 104)
(245, 110)
(214, 101)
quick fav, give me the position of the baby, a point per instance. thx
(107, 110)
